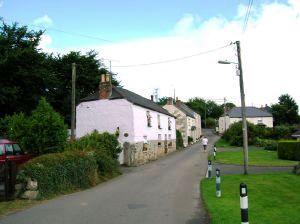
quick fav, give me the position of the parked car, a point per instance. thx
(10, 150)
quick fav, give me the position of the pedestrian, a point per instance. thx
(204, 143)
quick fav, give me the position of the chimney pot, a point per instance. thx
(151, 97)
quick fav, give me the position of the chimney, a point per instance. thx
(170, 101)
(151, 97)
(105, 86)
(178, 102)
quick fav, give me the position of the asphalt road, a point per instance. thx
(165, 191)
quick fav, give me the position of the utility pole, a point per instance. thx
(224, 113)
(73, 101)
(243, 109)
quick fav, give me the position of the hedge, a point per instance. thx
(268, 144)
(61, 172)
(289, 150)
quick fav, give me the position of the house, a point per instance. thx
(296, 135)
(188, 122)
(146, 131)
(253, 115)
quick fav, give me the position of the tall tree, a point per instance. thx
(285, 111)
(23, 69)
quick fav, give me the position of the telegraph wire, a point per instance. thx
(247, 15)
(174, 59)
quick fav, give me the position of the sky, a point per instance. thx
(176, 45)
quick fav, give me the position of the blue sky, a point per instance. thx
(141, 32)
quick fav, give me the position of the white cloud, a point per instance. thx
(270, 51)
(46, 40)
(45, 21)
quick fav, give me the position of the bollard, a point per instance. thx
(215, 152)
(218, 183)
(209, 169)
(244, 203)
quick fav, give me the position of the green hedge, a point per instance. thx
(289, 150)
(62, 172)
(268, 144)
(179, 140)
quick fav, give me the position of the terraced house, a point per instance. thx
(188, 122)
(145, 130)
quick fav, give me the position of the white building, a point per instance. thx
(146, 130)
(188, 122)
(253, 115)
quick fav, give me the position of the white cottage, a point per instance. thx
(188, 122)
(253, 115)
(146, 130)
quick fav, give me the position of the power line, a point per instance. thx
(174, 59)
(61, 31)
(247, 15)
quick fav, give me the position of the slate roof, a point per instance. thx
(120, 93)
(188, 111)
(250, 112)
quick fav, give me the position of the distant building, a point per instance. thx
(188, 122)
(253, 115)
(145, 130)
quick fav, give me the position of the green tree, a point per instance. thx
(285, 111)
(23, 69)
(47, 132)
(162, 101)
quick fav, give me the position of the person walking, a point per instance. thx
(204, 143)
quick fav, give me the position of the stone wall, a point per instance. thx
(139, 153)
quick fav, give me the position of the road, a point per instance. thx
(165, 191)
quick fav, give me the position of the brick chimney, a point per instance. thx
(170, 101)
(105, 86)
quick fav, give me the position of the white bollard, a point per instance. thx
(218, 183)
(209, 169)
(244, 203)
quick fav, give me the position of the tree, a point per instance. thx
(285, 111)
(23, 69)
(162, 101)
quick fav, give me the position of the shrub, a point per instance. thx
(96, 141)
(289, 150)
(106, 164)
(179, 140)
(268, 144)
(62, 172)
(210, 122)
(282, 131)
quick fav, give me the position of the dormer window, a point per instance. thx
(148, 119)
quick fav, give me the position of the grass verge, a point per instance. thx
(221, 143)
(257, 157)
(273, 198)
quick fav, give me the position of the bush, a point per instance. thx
(179, 140)
(289, 150)
(106, 164)
(282, 131)
(62, 172)
(210, 122)
(43, 132)
(96, 141)
(268, 144)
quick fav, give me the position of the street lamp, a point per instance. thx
(243, 107)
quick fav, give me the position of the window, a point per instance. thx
(158, 121)
(148, 119)
(17, 150)
(9, 150)
(169, 123)
(1, 150)
(170, 140)
(159, 140)
(259, 121)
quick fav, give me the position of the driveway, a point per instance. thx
(163, 192)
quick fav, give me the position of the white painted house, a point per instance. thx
(146, 130)
(188, 122)
(254, 115)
